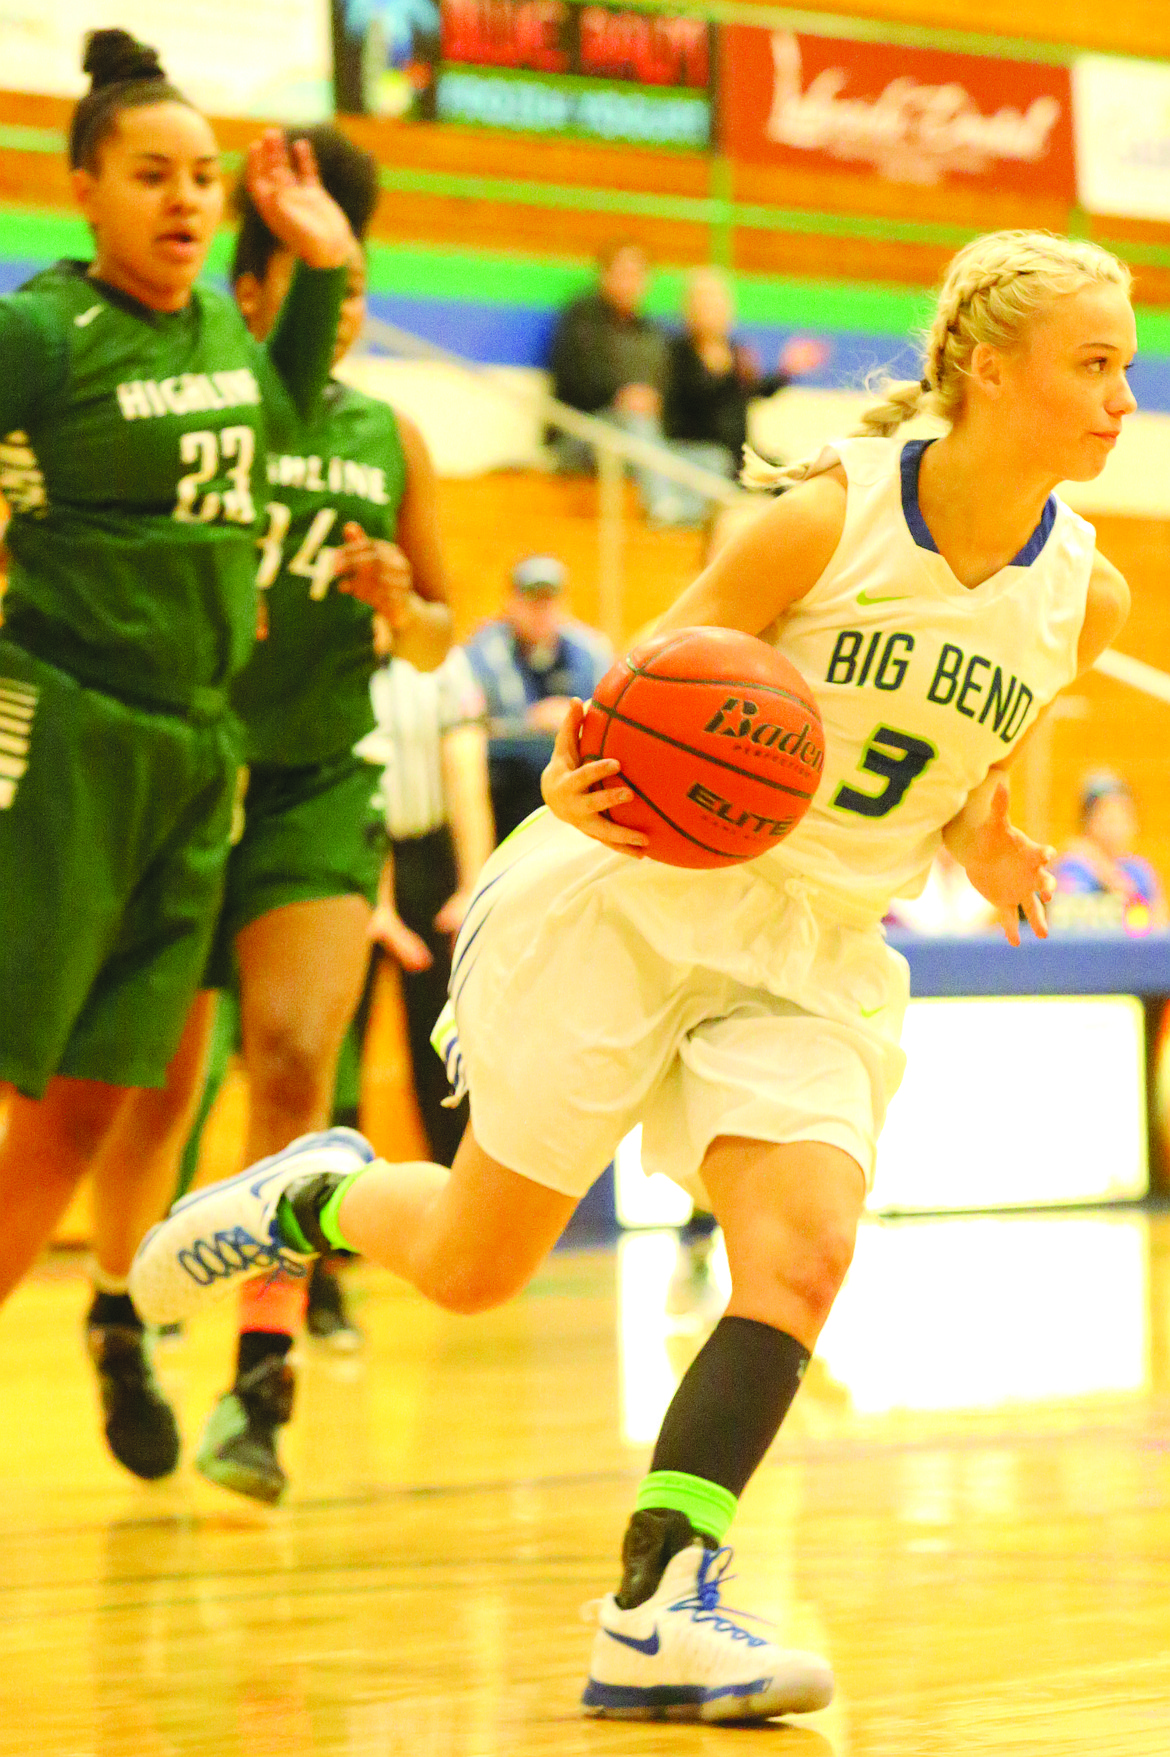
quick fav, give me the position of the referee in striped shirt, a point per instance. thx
(431, 743)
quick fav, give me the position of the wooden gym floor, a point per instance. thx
(967, 1512)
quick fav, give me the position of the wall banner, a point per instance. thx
(597, 72)
(269, 58)
(1122, 115)
(906, 115)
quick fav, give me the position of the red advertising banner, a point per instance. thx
(908, 115)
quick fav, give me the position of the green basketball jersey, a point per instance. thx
(134, 466)
(304, 694)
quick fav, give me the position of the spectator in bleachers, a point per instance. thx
(609, 359)
(713, 377)
(1101, 882)
(530, 662)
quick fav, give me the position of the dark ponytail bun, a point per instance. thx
(124, 74)
(114, 56)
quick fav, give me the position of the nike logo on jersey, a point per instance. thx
(87, 317)
(869, 1012)
(649, 1644)
(864, 597)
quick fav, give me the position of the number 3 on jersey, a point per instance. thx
(314, 559)
(899, 758)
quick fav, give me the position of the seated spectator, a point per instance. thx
(947, 904)
(713, 378)
(609, 359)
(605, 354)
(530, 663)
(1101, 883)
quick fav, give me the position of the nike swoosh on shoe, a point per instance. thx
(647, 1644)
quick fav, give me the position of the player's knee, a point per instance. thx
(76, 1128)
(289, 1071)
(817, 1268)
(795, 1276)
(469, 1287)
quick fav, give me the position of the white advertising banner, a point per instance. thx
(1121, 116)
(269, 58)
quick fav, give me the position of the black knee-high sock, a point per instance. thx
(721, 1421)
(730, 1403)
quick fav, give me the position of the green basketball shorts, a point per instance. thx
(310, 833)
(114, 825)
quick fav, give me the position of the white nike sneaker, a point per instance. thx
(679, 1656)
(217, 1237)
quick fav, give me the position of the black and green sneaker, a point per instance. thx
(140, 1425)
(237, 1448)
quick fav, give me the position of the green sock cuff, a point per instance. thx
(327, 1219)
(709, 1507)
(289, 1229)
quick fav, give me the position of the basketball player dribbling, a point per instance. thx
(935, 596)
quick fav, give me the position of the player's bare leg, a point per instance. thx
(789, 1216)
(302, 967)
(135, 1172)
(469, 1238)
(49, 1145)
(133, 1183)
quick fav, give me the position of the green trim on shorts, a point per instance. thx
(709, 1507)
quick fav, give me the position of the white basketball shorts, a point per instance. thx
(590, 992)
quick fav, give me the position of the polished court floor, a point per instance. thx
(968, 1512)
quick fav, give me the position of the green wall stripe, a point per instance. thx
(715, 212)
(505, 278)
(693, 209)
(35, 234)
(541, 283)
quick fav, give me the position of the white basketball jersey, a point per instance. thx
(922, 683)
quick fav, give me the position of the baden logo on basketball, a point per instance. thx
(719, 740)
(739, 718)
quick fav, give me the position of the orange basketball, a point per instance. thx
(719, 738)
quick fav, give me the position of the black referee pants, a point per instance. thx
(425, 875)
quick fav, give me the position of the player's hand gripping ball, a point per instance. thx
(719, 740)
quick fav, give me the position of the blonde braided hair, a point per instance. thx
(990, 291)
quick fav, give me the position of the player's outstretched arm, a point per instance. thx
(566, 787)
(1003, 864)
(289, 197)
(748, 586)
(770, 564)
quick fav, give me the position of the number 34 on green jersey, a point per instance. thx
(314, 558)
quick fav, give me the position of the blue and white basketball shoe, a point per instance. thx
(679, 1656)
(217, 1237)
